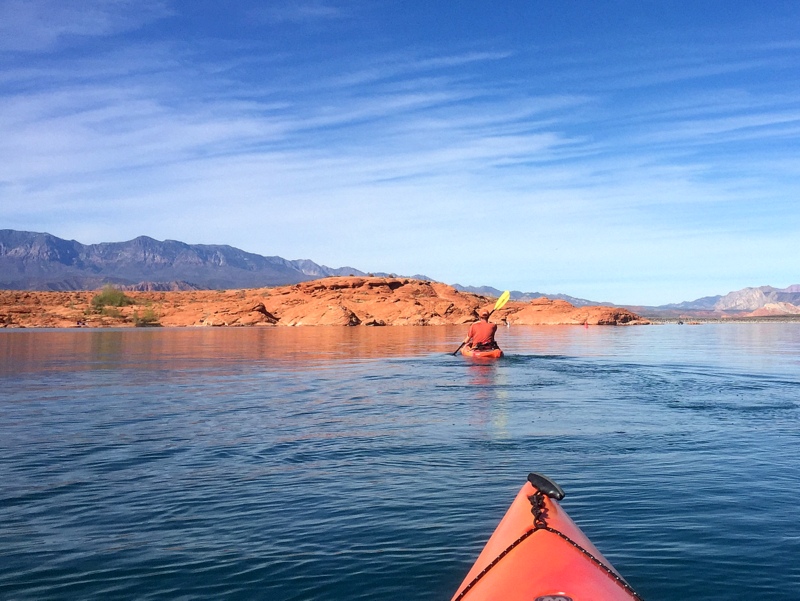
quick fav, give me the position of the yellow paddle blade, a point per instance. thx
(502, 300)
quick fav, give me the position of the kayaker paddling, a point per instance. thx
(480, 336)
(482, 332)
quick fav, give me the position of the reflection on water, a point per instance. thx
(184, 348)
(759, 346)
(766, 346)
(357, 464)
(490, 406)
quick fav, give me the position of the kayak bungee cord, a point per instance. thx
(616, 577)
(545, 487)
(493, 563)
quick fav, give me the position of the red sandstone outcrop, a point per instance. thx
(341, 301)
(543, 311)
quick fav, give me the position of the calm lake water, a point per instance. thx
(368, 463)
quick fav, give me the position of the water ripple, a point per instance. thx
(144, 466)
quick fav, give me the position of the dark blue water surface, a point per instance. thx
(368, 463)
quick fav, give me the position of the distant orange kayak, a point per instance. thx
(537, 553)
(491, 354)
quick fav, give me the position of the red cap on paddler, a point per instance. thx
(484, 313)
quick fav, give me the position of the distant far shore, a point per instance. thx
(702, 320)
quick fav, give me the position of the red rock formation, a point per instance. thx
(343, 301)
(543, 311)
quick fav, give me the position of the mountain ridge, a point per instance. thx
(42, 261)
(762, 301)
(529, 296)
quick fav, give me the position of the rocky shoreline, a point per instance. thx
(332, 301)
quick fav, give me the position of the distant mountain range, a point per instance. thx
(764, 301)
(529, 296)
(37, 261)
(40, 261)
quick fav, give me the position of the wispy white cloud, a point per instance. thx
(277, 12)
(42, 25)
(779, 124)
(397, 67)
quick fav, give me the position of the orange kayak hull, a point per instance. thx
(491, 354)
(557, 562)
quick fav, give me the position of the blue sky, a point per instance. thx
(634, 152)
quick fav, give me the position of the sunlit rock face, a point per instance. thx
(332, 301)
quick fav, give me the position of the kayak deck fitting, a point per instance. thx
(537, 553)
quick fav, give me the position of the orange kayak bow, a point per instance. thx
(537, 553)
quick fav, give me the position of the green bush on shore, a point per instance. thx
(110, 297)
(147, 318)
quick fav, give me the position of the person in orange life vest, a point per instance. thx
(481, 333)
